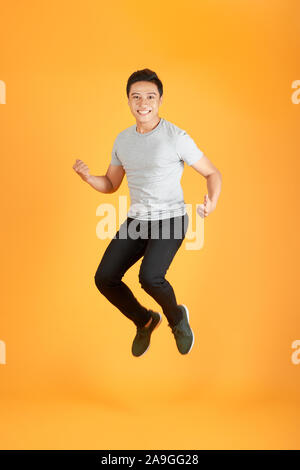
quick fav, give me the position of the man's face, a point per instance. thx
(144, 96)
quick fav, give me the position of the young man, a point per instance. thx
(152, 154)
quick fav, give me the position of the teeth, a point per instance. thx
(144, 112)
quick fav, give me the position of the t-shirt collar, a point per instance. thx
(150, 132)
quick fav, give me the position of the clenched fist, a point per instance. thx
(82, 169)
(205, 209)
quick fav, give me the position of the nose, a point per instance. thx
(143, 103)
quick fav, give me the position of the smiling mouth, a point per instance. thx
(144, 113)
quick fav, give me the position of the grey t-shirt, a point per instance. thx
(153, 163)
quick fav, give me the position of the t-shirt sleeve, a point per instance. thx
(187, 149)
(114, 155)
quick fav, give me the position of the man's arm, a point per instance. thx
(108, 183)
(213, 177)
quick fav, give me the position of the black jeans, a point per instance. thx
(149, 239)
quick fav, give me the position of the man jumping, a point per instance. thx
(152, 153)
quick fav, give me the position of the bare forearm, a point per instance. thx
(214, 183)
(100, 183)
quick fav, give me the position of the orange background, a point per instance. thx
(70, 380)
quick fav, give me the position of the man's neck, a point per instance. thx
(143, 129)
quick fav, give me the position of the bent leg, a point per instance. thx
(118, 257)
(157, 259)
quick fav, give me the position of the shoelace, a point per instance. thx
(176, 329)
(142, 330)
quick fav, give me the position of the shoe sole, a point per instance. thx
(187, 314)
(158, 323)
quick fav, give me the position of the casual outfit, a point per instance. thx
(154, 163)
(154, 229)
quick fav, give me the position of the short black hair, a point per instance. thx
(145, 75)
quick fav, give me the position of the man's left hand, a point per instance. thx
(205, 209)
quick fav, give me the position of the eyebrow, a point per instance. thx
(148, 93)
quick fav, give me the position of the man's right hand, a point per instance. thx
(82, 169)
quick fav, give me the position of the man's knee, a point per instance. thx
(148, 279)
(103, 279)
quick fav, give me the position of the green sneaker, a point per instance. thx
(141, 341)
(183, 333)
